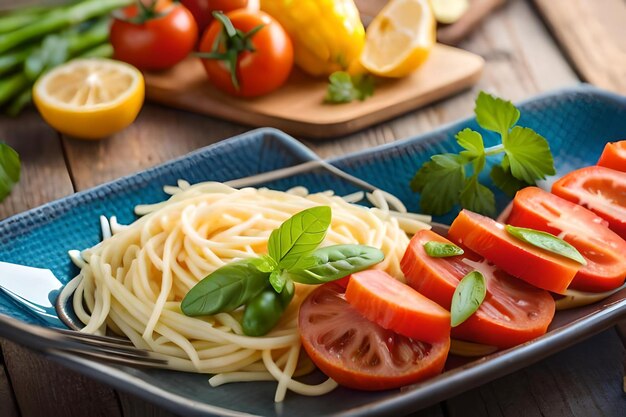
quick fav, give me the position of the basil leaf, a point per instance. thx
(547, 242)
(335, 262)
(9, 169)
(436, 249)
(298, 236)
(278, 280)
(468, 296)
(225, 289)
(266, 264)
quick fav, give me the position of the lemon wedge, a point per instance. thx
(399, 39)
(90, 98)
(449, 11)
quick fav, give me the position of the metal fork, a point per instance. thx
(112, 349)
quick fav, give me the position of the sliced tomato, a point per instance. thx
(512, 312)
(358, 353)
(614, 156)
(393, 305)
(603, 249)
(536, 266)
(602, 190)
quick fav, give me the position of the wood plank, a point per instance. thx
(159, 134)
(298, 106)
(44, 176)
(45, 388)
(7, 399)
(593, 34)
(584, 380)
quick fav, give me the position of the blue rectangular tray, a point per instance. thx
(577, 122)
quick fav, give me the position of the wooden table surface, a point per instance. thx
(522, 59)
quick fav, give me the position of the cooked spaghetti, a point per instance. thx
(133, 281)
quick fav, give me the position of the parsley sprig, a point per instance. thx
(449, 179)
(344, 88)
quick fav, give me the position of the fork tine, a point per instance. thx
(145, 362)
(94, 337)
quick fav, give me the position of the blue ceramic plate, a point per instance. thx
(577, 122)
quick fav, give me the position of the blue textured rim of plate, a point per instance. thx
(571, 327)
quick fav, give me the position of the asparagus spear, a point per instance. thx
(59, 19)
(12, 85)
(11, 61)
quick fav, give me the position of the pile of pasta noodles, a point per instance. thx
(133, 281)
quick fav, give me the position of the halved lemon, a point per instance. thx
(400, 38)
(90, 98)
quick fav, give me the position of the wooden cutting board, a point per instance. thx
(298, 106)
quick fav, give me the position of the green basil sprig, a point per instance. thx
(468, 296)
(298, 236)
(436, 249)
(546, 241)
(335, 262)
(265, 285)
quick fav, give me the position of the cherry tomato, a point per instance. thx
(202, 9)
(358, 353)
(395, 306)
(512, 312)
(258, 72)
(614, 156)
(602, 248)
(158, 43)
(536, 266)
(602, 190)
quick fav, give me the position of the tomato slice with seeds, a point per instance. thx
(512, 312)
(602, 190)
(536, 266)
(358, 353)
(614, 156)
(393, 305)
(603, 249)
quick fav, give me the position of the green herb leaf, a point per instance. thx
(225, 289)
(335, 262)
(528, 155)
(54, 51)
(440, 182)
(267, 264)
(472, 142)
(10, 167)
(526, 159)
(278, 280)
(467, 298)
(547, 242)
(495, 114)
(343, 88)
(299, 236)
(436, 249)
(476, 197)
(504, 180)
